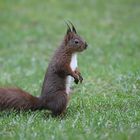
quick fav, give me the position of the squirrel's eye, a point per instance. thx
(76, 41)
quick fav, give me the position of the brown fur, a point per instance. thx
(53, 96)
(17, 99)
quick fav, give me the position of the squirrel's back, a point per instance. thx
(55, 78)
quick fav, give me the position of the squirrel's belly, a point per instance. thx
(73, 66)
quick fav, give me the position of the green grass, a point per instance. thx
(107, 104)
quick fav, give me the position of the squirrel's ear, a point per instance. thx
(68, 28)
(69, 34)
(68, 37)
(73, 28)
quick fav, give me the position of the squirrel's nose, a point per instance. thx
(86, 45)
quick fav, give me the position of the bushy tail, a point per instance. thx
(15, 98)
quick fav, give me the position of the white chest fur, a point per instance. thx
(73, 65)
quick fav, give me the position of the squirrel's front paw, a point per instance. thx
(80, 78)
(76, 79)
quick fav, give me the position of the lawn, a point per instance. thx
(106, 106)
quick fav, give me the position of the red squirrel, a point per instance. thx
(62, 70)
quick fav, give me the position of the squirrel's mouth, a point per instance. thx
(85, 46)
(82, 48)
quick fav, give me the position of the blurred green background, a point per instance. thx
(107, 104)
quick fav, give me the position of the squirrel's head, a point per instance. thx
(73, 42)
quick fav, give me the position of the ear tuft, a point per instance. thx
(68, 28)
(73, 28)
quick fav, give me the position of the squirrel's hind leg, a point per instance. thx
(58, 104)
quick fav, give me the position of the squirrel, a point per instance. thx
(61, 71)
